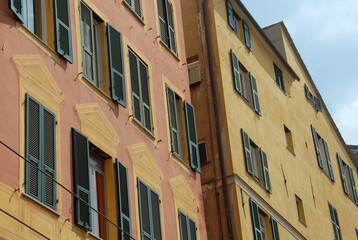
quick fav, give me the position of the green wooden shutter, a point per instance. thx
(354, 188)
(144, 214)
(135, 87)
(162, 9)
(307, 92)
(247, 151)
(247, 35)
(115, 53)
(172, 43)
(192, 137)
(274, 227)
(335, 222)
(137, 8)
(155, 215)
(123, 200)
(18, 9)
(145, 96)
(328, 160)
(236, 72)
(318, 105)
(63, 29)
(192, 229)
(255, 94)
(187, 227)
(266, 171)
(173, 122)
(81, 178)
(230, 15)
(318, 151)
(343, 175)
(255, 220)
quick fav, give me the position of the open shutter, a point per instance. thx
(115, 53)
(329, 162)
(192, 137)
(136, 99)
(18, 9)
(255, 94)
(343, 175)
(172, 43)
(173, 122)
(81, 178)
(317, 103)
(266, 171)
(274, 227)
(354, 188)
(230, 15)
(318, 151)
(236, 72)
(307, 92)
(144, 88)
(164, 34)
(255, 220)
(247, 35)
(123, 200)
(247, 151)
(335, 223)
(63, 29)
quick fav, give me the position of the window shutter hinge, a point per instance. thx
(55, 122)
(56, 200)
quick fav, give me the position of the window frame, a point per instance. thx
(167, 16)
(300, 210)
(279, 77)
(132, 6)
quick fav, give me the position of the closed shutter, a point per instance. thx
(318, 151)
(318, 105)
(307, 92)
(164, 34)
(266, 171)
(144, 214)
(255, 220)
(335, 222)
(343, 175)
(18, 9)
(155, 212)
(118, 86)
(330, 169)
(354, 188)
(192, 137)
(145, 94)
(230, 15)
(192, 230)
(136, 98)
(123, 200)
(173, 122)
(247, 151)
(187, 227)
(81, 178)
(274, 227)
(255, 94)
(236, 72)
(247, 35)
(63, 29)
(172, 43)
(137, 8)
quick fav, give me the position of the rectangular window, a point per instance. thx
(194, 72)
(166, 24)
(41, 151)
(348, 181)
(335, 222)
(203, 153)
(149, 212)
(300, 212)
(289, 141)
(136, 6)
(141, 105)
(247, 35)
(187, 227)
(49, 21)
(279, 77)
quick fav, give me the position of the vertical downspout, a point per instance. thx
(210, 123)
(217, 122)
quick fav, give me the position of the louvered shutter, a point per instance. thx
(155, 215)
(123, 200)
(343, 175)
(354, 188)
(18, 9)
(192, 137)
(230, 15)
(335, 223)
(266, 170)
(63, 29)
(173, 122)
(307, 92)
(318, 151)
(81, 178)
(274, 227)
(115, 53)
(255, 220)
(236, 72)
(330, 169)
(144, 214)
(247, 35)
(187, 227)
(145, 94)
(164, 34)
(318, 105)
(247, 151)
(136, 99)
(172, 43)
(255, 94)
(192, 229)
(88, 58)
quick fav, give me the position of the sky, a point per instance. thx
(325, 33)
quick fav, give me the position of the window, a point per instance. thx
(335, 222)
(245, 83)
(141, 107)
(203, 153)
(289, 141)
(135, 5)
(187, 227)
(149, 212)
(49, 21)
(256, 161)
(247, 35)
(41, 151)
(166, 24)
(323, 157)
(315, 101)
(94, 55)
(194, 72)
(300, 212)
(175, 103)
(260, 224)
(279, 77)
(349, 184)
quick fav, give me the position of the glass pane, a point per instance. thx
(86, 27)
(64, 43)
(62, 12)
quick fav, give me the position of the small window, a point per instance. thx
(348, 181)
(263, 218)
(203, 153)
(187, 227)
(335, 222)
(300, 212)
(136, 6)
(289, 141)
(166, 23)
(194, 72)
(247, 35)
(279, 77)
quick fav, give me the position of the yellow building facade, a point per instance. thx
(274, 164)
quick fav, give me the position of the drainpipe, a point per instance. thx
(217, 122)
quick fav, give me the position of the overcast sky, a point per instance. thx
(325, 33)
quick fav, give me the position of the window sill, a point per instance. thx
(94, 236)
(143, 130)
(182, 164)
(261, 185)
(175, 55)
(41, 204)
(139, 18)
(248, 103)
(291, 151)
